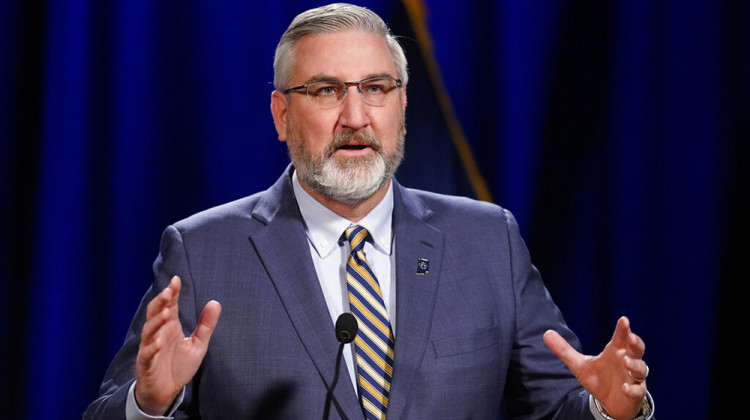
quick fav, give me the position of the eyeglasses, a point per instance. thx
(328, 93)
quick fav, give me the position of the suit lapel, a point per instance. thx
(281, 243)
(415, 291)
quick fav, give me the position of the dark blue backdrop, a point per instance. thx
(615, 131)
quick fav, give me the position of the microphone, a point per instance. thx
(346, 331)
(346, 328)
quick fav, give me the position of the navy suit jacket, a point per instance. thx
(468, 336)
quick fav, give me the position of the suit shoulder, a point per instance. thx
(468, 209)
(227, 214)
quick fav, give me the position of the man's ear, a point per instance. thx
(279, 107)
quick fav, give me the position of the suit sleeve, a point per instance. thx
(172, 260)
(539, 386)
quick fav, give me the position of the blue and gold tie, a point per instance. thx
(374, 342)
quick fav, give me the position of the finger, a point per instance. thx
(152, 327)
(621, 335)
(207, 322)
(147, 352)
(635, 391)
(637, 368)
(563, 350)
(636, 346)
(166, 298)
(174, 287)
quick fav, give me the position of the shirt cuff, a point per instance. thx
(133, 412)
(600, 414)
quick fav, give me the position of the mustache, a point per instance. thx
(353, 137)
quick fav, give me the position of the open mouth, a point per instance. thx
(353, 147)
(351, 144)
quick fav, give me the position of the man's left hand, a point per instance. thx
(616, 377)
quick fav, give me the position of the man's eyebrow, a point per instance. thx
(321, 78)
(329, 78)
(373, 75)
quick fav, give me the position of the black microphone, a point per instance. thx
(346, 331)
(346, 328)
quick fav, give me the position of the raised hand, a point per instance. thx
(167, 360)
(615, 377)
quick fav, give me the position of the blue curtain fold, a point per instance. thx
(616, 132)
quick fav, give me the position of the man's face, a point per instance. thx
(348, 151)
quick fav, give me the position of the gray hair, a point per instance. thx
(335, 17)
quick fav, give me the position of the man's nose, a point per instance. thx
(354, 109)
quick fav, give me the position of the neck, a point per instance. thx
(353, 212)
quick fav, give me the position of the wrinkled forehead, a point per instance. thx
(348, 55)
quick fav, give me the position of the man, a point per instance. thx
(453, 318)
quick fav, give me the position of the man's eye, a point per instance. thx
(327, 90)
(374, 88)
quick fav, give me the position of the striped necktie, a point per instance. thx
(374, 342)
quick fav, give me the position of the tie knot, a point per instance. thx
(356, 236)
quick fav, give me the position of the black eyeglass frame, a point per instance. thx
(399, 84)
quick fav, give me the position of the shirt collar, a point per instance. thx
(324, 227)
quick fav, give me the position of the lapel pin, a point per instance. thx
(423, 266)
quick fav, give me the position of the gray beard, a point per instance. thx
(345, 180)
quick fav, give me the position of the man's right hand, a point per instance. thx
(167, 360)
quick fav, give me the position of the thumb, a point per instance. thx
(563, 350)
(207, 322)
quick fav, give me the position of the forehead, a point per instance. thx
(349, 56)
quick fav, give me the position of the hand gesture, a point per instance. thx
(167, 360)
(616, 377)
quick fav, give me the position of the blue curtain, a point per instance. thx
(616, 132)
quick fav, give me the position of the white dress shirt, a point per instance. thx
(330, 250)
